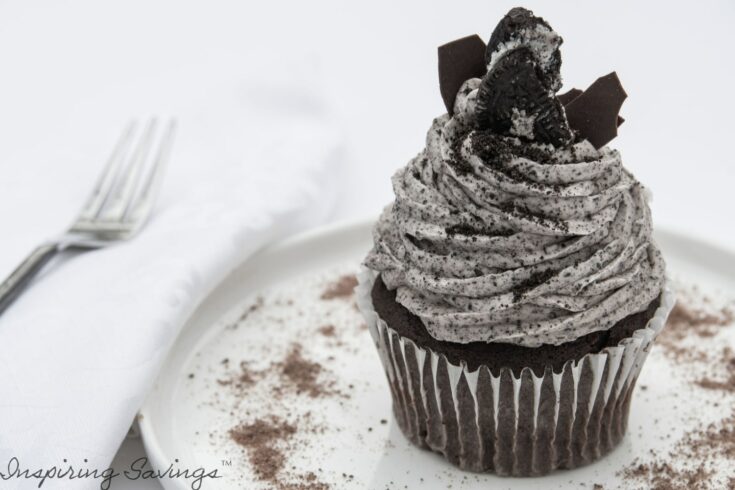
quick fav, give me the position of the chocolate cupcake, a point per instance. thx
(514, 290)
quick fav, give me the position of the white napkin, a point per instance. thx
(79, 350)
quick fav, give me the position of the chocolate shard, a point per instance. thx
(569, 96)
(594, 113)
(459, 61)
(572, 94)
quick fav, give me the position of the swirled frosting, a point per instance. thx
(497, 238)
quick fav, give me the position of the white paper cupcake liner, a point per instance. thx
(506, 424)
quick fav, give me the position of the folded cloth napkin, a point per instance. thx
(80, 349)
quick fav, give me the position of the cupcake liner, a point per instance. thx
(506, 424)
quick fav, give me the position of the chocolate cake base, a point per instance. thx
(495, 355)
(507, 409)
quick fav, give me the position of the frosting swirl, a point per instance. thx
(497, 238)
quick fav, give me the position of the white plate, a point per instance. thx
(185, 420)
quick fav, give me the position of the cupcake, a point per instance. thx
(514, 289)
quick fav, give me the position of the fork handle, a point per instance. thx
(22, 275)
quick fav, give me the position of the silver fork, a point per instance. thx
(117, 209)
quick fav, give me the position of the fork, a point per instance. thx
(117, 209)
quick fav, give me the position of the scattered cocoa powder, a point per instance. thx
(253, 307)
(702, 445)
(267, 443)
(260, 439)
(714, 440)
(248, 376)
(343, 287)
(302, 373)
(328, 330)
(243, 379)
(306, 484)
(270, 391)
(294, 372)
(721, 375)
(687, 324)
(662, 476)
(691, 464)
(686, 321)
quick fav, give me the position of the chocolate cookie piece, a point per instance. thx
(497, 355)
(514, 99)
(512, 27)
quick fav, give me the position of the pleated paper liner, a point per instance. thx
(511, 425)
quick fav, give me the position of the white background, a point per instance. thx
(67, 67)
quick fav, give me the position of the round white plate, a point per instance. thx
(185, 421)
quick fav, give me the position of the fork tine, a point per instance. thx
(141, 207)
(105, 181)
(122, 194)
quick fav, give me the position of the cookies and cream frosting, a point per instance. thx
(497, 237)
